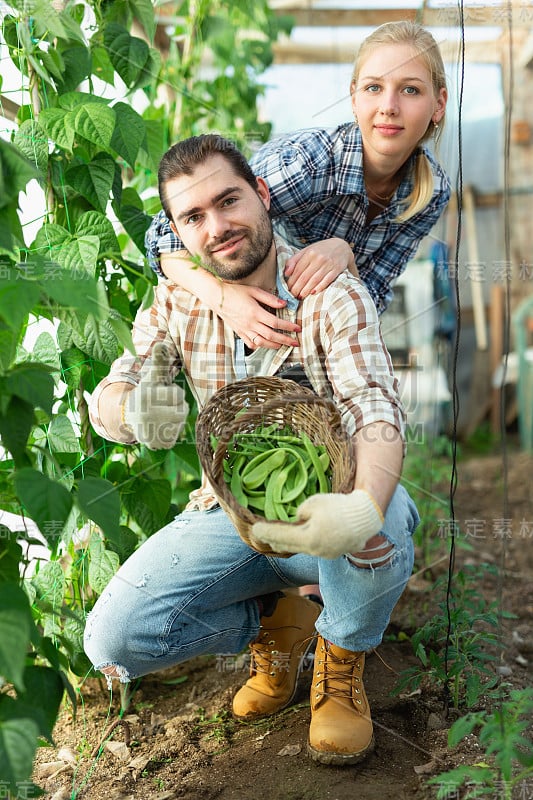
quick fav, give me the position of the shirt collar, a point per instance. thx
(283, 252)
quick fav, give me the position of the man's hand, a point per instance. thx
(328, 526)
(156, 410)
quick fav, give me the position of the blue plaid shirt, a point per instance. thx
(317, 190)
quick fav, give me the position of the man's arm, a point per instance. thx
(108, 410)
(379, 457)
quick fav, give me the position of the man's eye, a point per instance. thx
(192, 219)
(229, 201)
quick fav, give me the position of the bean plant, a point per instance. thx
(90, 126)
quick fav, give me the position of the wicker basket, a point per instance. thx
(269, 400)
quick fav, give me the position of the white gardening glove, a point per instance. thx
(156, 410)
(328, 526)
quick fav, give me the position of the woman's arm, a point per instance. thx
(241, 307)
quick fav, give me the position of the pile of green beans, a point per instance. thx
(272, 470)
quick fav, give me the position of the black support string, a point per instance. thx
(455, 390)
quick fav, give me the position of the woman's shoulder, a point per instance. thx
(309, 140)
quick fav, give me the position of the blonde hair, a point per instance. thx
(427, 49)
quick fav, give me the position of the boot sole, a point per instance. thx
(299, 671)
(339, 759)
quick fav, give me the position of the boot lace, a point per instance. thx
(265, 658)
(337, 677)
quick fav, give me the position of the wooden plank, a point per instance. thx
(482, 14)
(288, 52)
(8, 109)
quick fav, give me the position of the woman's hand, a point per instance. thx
(312, 269)
(241, 307)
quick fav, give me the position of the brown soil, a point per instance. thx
(178, 739)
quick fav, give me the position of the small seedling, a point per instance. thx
(508, 752)
(456, 648)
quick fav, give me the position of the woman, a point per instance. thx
(358, 197)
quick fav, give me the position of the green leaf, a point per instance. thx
(17, 299)
(32, 141)
(45, 350)
(143, 10)
(16, 422)
(46, 19)
(79, 254)
(77, 290)
(149, 72)
(78, 65)
(96, 224)
(43, 693)
(33, 383)
(135, 222)
(128, 54)
(98, 340)
(103, 564)
(95, 123)
(129, 133)
(62, 437)
(125, 544)
(8, 345)
(72, 27)
(50, 584)
(123, 333)
(59, 126)
(102, 66)
(155, 143)
(73, 100)
(99, 500)
(15, 633)
(46, 501)
(461, 728)
(18, 742)
(148, 501)
(93, 180)
(15, 172)
(11, 236)
(49, 240)
(53, 63)
(10, 555)
(72, 361)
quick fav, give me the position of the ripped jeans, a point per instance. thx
(190, 589)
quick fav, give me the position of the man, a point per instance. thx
(195, 587)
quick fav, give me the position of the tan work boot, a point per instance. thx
(341, 727)
(277, 657)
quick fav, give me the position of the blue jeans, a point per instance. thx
(191, 587)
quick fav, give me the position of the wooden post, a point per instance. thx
(496, 352)
(478, 303)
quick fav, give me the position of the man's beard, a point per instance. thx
(244, 262)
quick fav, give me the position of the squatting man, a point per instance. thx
(195, 586)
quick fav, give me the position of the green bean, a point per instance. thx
(272, 470)
(262, 465)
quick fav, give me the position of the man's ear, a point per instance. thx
(264, 192)
(173, 227)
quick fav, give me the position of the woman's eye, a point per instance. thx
(411, 90)
(373, 88)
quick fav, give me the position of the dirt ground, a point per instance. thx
(178, 739)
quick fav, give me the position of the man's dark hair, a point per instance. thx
(183, 157)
